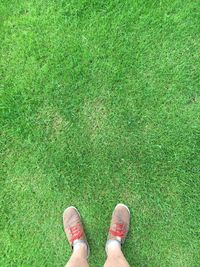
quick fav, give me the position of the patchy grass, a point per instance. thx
(100, 104)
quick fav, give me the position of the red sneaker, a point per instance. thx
(73, 227)
(119, 223)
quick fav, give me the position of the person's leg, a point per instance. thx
(78, 257)
(115, 257)
(75, 234)
(117, 234)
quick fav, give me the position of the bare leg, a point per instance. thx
(115, 257)
(78, 257)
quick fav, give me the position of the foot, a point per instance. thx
(74, 228)
(119, 224)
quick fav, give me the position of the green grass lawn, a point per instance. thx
(100, 104)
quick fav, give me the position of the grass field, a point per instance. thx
(100, 104)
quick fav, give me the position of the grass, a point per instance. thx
(100, 104)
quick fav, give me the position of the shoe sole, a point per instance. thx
(123, 205)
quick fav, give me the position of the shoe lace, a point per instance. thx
(76, 232)
(118, 229)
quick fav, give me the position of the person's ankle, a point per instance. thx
(80, 249)
(113, 247)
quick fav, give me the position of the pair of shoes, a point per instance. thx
(118, 230)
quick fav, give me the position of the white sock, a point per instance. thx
(78, 245)
(112, 244)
